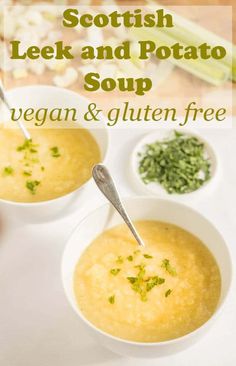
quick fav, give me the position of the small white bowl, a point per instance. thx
(148, 208)
(155, 188)
(44, 96)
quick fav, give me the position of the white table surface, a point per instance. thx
(37, 325)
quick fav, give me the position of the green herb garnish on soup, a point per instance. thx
(168, 267)
(28, 145)
(55, 152)
(36, 160)
(115, 271)
(168, 292)
(8, 170)
(111, 299)
(32, 185)
(119, 259)
(27, 173)
(148, 256)
(142, 283)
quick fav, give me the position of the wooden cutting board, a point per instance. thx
(177, 79)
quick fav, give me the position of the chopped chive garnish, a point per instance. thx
(132, 279)
(29, 150)
(119, 259)
(115, 271)
(154, 281)
(28, 145)
(31, 185)
(33, 151)
(27, 173)
(168, 292)
(55, 152)
(143, 285)
(111, 299)
(130, 258)
(148, 256)
(166, 264)
(8, 170)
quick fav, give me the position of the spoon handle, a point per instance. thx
(20, 124)
(107, 186)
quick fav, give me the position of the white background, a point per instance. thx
(37, 325)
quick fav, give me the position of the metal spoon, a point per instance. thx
(20, 124)
(107, 186)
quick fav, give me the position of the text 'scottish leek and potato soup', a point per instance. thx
(116, 179)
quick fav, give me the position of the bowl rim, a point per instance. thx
(197, 331)
(141, 142)
(67, 195)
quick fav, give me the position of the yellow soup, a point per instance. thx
(156, 293)
(56, 162)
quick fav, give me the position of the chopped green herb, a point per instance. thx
(132, 279)
(33, 151)
(143, 295)
(166, 264)
(34, 161)
(8, 170)
(137, 252)
(27, 173)
(130, 258)
(154, 281)
(28, 145)
(142, 270)
(111, 299)
(141, 285)
(168, 292)
(115, 271)
(148, 256)
(179, 164)
(30, 150)
(55, 152)
(42, 168)
(138, 282)
(31, 185)
(119, 260)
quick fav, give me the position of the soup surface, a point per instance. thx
(156, 293)
(54, 163)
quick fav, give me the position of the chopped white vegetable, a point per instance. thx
(53, 36)
(77, 46)
(107, 70)
(56, 65)
(37, 68)
(33, 17)
(67, 79)
(112, 41)
(95, 36)
(20, 73)
(86, 69)
(10, 26)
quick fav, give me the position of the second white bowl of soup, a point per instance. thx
(41, 176)
(152, 301)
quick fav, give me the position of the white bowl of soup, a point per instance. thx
(43, 176)
(151, 301)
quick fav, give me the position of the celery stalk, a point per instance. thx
(210, 70)
(190, 33)
(188, 37)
